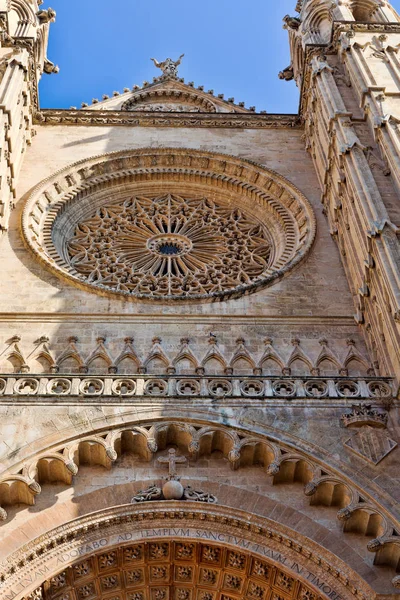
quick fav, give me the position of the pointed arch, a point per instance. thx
(157, 361)
(299, 363)
(185, 362)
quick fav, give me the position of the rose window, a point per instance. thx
(169, 224)
(171, 246)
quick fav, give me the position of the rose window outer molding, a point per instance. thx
(169, 224)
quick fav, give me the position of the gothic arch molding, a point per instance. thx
(185, 189)
(321, 573)
(323, 486)
(162, 100)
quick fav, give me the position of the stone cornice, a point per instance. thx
(143, 119)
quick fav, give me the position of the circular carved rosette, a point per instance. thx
(26, 386)
(220, 387)
(348, 389)
(91, 387)
(123, 387)
(379, 389)
(252, 387)
(59, 387)
(316, 388)
(188, 387)
(284, 389)
(169, 224)
(2, 386)
(155, 387)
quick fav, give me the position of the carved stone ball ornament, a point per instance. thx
(169, 224)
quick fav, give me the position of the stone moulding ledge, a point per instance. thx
(45, 317)
(142, 119)
(23, 571)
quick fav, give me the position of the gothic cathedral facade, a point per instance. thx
(200, 327)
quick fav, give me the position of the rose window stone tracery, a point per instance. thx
(169, 224)
(171, 246)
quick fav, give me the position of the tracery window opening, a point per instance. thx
(171, 246)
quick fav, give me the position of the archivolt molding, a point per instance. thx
(320, 571)
(75, 192)
(357, 511)
(147, 99)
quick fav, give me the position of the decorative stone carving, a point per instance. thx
(316, 388)
(284, 389)
(91, 387)
(252, 246)
(41, 389)
(49, 67)
(155, 387)
(124, 387)
(168, 66)
(252, 387)
(220, 387)
(172, 489)
(364, 414)
(26, 386)
(348, 389)
(379, 389)
(291, 22)
(59, 387)
(287, 74)
(170, 246)
(46, 16)
(188, 387)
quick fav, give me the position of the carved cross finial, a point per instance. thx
(172, 460)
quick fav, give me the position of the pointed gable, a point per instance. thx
(168, 93)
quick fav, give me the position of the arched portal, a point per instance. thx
(180, 551)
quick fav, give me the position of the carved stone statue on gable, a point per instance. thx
(168, 66)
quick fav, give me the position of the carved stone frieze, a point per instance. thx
(125, 118)
(114, 388)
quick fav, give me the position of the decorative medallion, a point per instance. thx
(169, 224)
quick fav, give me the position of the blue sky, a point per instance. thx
(230, 47)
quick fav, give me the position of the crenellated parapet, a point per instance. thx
(24, 32)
